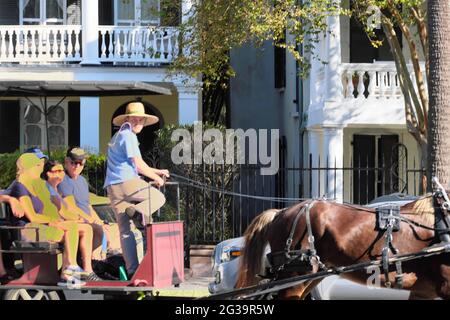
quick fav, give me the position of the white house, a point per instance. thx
(348, 114)
(87, 59)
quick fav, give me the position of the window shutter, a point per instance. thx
(9, 12)
(280, 67)
(106, 12)
(9, 126)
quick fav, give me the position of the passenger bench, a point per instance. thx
(39, 258)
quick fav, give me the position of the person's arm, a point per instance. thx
(152, 173)
(147, 171)
(27, 205)
(72, 207)
(94, 215)
(68, 214)
(16, 208)
(132, 152)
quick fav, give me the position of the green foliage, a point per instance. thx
(8, 168)
(216, 27)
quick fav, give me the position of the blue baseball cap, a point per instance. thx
(38, 152)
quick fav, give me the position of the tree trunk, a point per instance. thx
(439, 92)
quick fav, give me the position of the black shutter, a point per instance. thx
(74, 123)
(364, 164)
(9, 126)
(280, 67)
(9, 12)
(106, 12)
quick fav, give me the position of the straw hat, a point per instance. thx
(135, 109)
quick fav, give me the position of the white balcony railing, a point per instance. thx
(40, 44)
(63, 43)
(138, 44)
(370, 80)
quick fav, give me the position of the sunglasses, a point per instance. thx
(80, 163)
(56, 171)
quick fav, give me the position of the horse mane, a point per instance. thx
(422, 208)
(423, 205)
(255, 243)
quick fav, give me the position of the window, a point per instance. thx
(32, 126)
(42, 12)
(137, 12)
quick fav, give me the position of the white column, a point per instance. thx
(189, 102)
(89, 21)
(316, 67)
(334, 153)
(315, 148)
(90, 123)
(333, 56)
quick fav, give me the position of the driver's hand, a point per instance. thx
(163, 173)
(159, 182)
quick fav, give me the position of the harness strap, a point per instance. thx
(312, 253)
(292, 232)
(388, 246)
(312, 247)
(399, 275)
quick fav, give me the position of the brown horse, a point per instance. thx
(344, 235)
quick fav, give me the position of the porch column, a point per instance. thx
(334, 152)
(90, 123)
(316, 75)
(315, 147)
(189, 101)
(333, 56)
(89, 21)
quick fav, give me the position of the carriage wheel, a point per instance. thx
(28, 294)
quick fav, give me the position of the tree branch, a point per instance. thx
(414, 58)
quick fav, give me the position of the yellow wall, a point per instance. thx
(167, 105)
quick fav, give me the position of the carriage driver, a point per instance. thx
(128, 193)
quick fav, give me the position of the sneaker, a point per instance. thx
(75, 270)
(92, 277)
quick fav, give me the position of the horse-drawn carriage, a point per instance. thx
(315, 239)
(161, 266)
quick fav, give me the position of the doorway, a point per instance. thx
(374, 173)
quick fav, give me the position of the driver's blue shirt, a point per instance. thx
(123, 147)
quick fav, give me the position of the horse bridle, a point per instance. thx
(297, 260)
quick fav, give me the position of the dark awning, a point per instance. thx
(79, 88)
